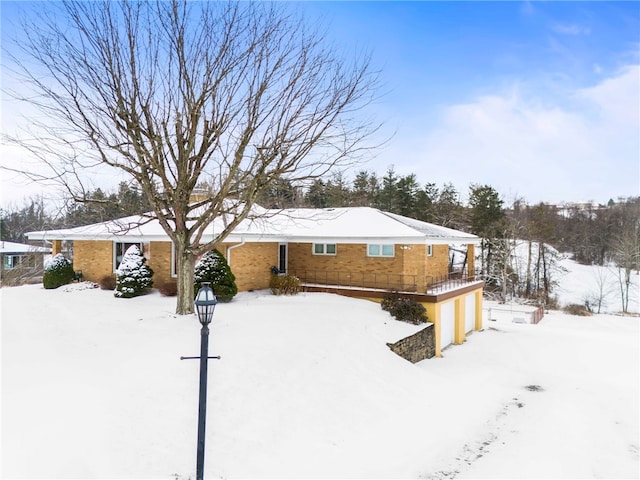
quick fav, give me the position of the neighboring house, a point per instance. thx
(357, 251)
(20, 262)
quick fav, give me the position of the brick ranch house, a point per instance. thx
(359, 251)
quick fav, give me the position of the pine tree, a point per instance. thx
(133, 276)
(213, 268)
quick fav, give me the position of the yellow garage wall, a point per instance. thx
(434, 315)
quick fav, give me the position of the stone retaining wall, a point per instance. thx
(416, 347)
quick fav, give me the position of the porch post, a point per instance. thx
(471, 261)
(56, 247)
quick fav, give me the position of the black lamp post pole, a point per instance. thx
(202, 408)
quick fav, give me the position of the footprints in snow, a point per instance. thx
(472, 452)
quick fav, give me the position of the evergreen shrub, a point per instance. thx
(133, 276)
(59, 271)
(213, 268)
(285, 285)
(404, 309)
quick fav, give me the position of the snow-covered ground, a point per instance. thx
(93, 387)
(590, 282)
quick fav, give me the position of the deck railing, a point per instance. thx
(441, 283)
(385, 281)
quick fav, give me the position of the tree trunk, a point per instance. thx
(627, 283)
(537, 271)
(185, 265)
(545, 273)
(527, 287)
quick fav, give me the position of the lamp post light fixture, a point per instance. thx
(205, 304)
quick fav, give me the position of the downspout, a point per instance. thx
(231, 247)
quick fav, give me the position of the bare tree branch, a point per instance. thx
(176, 93)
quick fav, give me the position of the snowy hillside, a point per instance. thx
(576, 283)
(93, 387)
(589, 282)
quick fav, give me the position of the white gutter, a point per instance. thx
(231, 247)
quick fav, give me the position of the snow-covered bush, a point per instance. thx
(213, 268)
(133, 276)
(58, 271)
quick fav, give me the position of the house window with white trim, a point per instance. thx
(10, 261)
(429, 250)
(380, 250)
(324, 248)
(119, 249)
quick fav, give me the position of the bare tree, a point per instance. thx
(598, 297)
(177, 93)
(626, 254)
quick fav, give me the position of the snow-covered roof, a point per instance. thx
(12, 248)
(358, 225)
(335, 225)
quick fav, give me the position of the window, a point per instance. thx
(380, 250)
(119, 249)
(10, 261)
(282, 258)
(324, 248)
(429, 250)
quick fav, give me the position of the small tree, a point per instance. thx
(58, 272)
(213, 268)
(133, 276)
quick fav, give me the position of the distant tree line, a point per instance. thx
(518, 253)
(100, 206)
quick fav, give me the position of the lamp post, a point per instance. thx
(205, 304)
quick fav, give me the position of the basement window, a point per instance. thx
(324, 248)
(380, 250)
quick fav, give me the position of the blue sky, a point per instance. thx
(541, 100)
(538, 99)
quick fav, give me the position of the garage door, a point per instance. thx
(447, 322)
(470, 313)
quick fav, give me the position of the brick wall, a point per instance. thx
(94, 258)
(416, 347)
(438, 263)
(251, 263)
(159, 259)
(409, 264)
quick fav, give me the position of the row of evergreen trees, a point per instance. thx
(134, 277)
(595, 234)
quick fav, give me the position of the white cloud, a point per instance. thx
(585, 146)
(571, 29)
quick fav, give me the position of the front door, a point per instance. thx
(282, 258)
